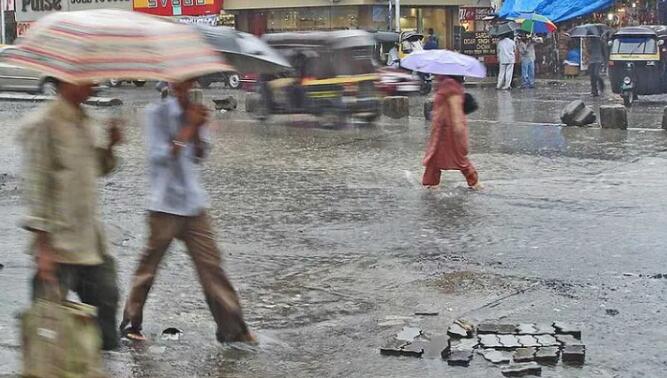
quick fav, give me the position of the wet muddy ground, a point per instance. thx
(333, 245)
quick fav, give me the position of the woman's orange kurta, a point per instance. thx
(447, 148)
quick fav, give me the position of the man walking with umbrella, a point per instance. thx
(177, 141)
(62, 164)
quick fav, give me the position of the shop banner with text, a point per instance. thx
(178, 7)
(32, 10)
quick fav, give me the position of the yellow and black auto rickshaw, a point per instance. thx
(637, 57)
(334, 77)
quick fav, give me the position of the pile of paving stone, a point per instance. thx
(524, 348)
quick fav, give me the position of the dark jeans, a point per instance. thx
(95, 285)
(596, 80)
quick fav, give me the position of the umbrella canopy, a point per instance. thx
(589, 31)
(504, 28)
(444, 62)
(247, 53)
(99, 44)
(535, 23)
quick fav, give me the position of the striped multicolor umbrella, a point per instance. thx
(535, 23)
(99, 44)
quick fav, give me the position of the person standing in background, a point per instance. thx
(595, 64)
(506, 59)
(432, 42)
(527, 55)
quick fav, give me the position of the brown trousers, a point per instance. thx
(199, 239)
(432, 176)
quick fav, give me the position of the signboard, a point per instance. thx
(178, 7)
(478, 44)
(9, 5)
(205, 20)
(474, 14)
(32, 10)
(22, 28)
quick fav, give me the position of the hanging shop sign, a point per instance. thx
(178, 7)
(32, 10)
(474, 14)
(478, 44)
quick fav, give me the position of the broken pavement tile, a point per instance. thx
(528, 341)
(547, 340)
(463, 344)
(547, 355)
(524, 354)
(414, 349)
(565, 340)
(545, 329)
(510, 341)
(172, 334)
(459, 358)
(426, 313)
(456, 330)
(567, 329)
(521, 370)
(526, 329)
(393, 348)
(408, 333)
(574, 354)
(485, 328)
(496, 356)
(437, 348)
(489, 341)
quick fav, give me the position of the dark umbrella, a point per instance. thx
(589, 31)
(502, 29)
(247, 53)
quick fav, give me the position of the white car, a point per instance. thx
(15, 78)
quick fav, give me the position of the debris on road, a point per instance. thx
(173, 334)
(522, 370)
(408, 334)
(574, 354)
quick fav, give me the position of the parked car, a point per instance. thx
(230, 79)
(118, 83)
(15, 78)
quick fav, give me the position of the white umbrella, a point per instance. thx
(444, 62)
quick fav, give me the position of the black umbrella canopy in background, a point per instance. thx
(589, 31)
(503, 29)
(244, 51)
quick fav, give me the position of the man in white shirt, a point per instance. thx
(506, 58)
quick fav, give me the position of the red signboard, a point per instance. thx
(178, 7)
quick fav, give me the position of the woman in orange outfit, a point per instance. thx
(448, 145)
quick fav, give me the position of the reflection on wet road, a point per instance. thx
(333, 245)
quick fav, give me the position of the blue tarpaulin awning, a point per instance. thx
(555, 10)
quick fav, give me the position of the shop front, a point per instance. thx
(267, 16)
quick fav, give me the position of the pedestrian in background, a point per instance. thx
(596, 54)
(62, 164)
(432, 42)
(506, 59)
(447, 147)
(527, 55)
(177, 142)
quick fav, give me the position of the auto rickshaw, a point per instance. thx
(637, 58)
(334, 77)
(404, 43)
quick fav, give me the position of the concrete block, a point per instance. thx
(566, 340)
(414, 349)
(664, 118)
(547, 340)
(496, 356)
(563, 328)
(524, 354)
(428, 108)
(461, 328)
(547, 355)
(585, 117)
(574, 354)
(490, 341)
(506, 329)
(437, 348)
(528, 341)
(510, 341)
(393, 348)
(396, 106)
(613, 117)
(408, 334)
(522, 370)
(225, 103)
(459, 358)
(570, 111)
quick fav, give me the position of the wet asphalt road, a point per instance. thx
(333, 245)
